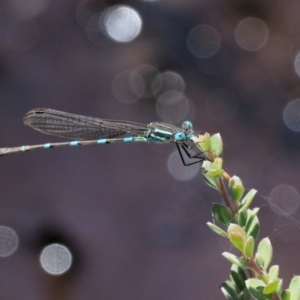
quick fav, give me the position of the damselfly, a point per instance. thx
(89, 131)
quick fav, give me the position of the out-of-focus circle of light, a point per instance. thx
(28, 9)
(251, 34)
(172, 107)
(297, 64)
(203, 41)
(9, 241)
(122, 23)
(148, 74)
(221, 105)
(56, 259)
(291, 115)
(128, 87)
(284, 199)
(168, 81)
(178, 170)
(189, 206)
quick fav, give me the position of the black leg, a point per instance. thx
(197, 157)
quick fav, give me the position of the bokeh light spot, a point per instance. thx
(203, 41)
(251, 34)
(178, 170)
(221, 105)
(291, 115)
(9, 241)
(297, 64)
(172, 107)
(284, 199)
(148, 74)
(122, 23)
(56, 259)
(168, 81)
(128, 87)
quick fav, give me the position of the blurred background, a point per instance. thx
(128, 221)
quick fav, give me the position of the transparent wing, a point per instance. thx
(58, 123)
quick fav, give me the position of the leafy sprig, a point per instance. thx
(251, 274)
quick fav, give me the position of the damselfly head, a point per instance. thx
(187, 128)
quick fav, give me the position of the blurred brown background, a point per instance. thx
(130, 214)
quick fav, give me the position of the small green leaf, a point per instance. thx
(286, 295)
(203, 142)
(216, 144)
(273, 272)
(244, 295)
(294, 288)
(243, 218)
(249, 247)
(215, 173)
(252, 225)
(236, 240)
(266, 251)
(236, 188)
(236, 228)
(217, 229)
(247, 200)
(212, 182)
(217, 163)
(236, 278)
(228, 289)
(222, 214)
(233, 259)
(256, 287)
(271, 287)
(259, 260)
(279, 288)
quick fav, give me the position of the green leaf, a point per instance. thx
(252, 225)
(236, 228)
(294, 288)
(243, 218)
(259, 260)
(217, 163)
(286, 295)
(244, 295)
(266, 251)
(256, 287)
(216, 144)
(249, 247)
(222, 214)
(237, 240)
(273, 272)
(247, 200)
(217, 229)
(271, 287)
(215, 173)
(203, 142)
(212, 182)
(236, 278)
(236, 188)
(228, 288)
(233, 259)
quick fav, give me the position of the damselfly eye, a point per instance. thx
(180, 136)
(187, 127)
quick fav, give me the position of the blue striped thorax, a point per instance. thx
(161, 132)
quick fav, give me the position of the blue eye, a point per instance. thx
(180, 136)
